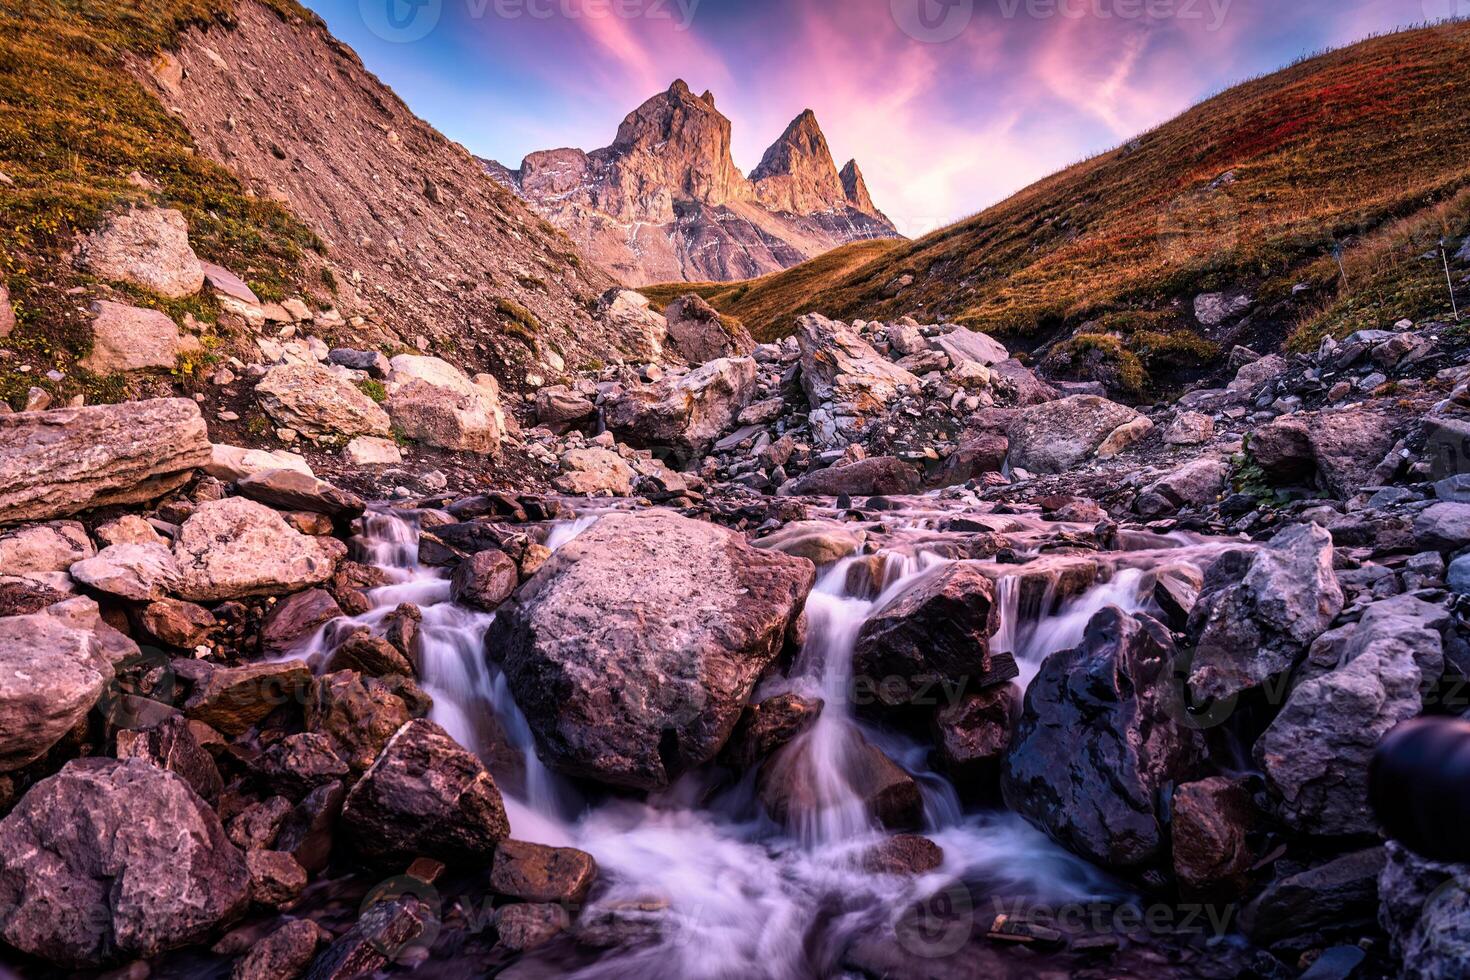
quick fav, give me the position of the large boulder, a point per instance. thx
(685, 412)
(234, 548)
(1349, 445)
(1056, 436)
(636, 646)
(131, 338)
(701, 334)
(1102, 734)
(53, 670)
(1317, 752)
(931, 644)
(970, 346)
(847, 382)
(1257, 615)
(70, 460)
(1337, 899)
(878, 475)
(425, 796)
(628, 316)
(111, 860)
(147, 247)
(436, 403)
(1195, 484)
(316, 401)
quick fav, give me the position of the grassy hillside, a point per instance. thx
(1362, 148)
(74, 125)
(768, 305)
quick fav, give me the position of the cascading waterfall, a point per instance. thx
(1032, 635)
(720, 890)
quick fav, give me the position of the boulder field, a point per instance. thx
(852, 583)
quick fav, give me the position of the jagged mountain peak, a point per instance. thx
(669, 176)
(797, 175)
(855, 188)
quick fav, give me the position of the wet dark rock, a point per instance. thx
(931, 644)
(905, 854)
(109, 860)
(971, 737)
(634, 650)
(485, 580)
(1102, 733)
(1211, 822)
(535, 873)
(296, 619)
(766, 727)
(1424, 906)
(308, 831)
(1338, 898)
(425, 796)
(172, 745)
(792, 791)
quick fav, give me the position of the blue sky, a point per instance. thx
(948, 105)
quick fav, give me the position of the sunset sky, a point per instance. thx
(948, 105)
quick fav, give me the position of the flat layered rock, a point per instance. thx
(57, 463)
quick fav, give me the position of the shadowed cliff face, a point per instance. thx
(666, 202)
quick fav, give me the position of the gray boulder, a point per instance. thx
(112, 860)
(878, 475)
(147, 247)
(1425, 909)
(1252, 629)
(685, 412)
(1056, 436)
(315, 401)
(234, 548)
(634, 649)
(1317, 751)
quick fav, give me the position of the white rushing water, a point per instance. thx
(726, 892)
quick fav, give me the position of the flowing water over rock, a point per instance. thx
(699, 880)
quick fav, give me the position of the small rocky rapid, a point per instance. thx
(702, 879)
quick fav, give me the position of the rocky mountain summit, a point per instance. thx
(665, 201)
